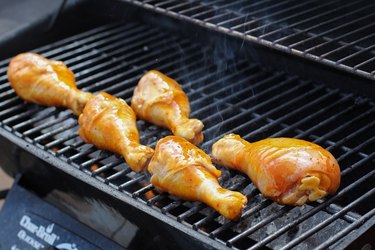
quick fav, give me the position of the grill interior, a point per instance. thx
(336, 33)
(228, 96)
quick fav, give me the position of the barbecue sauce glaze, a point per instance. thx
(288, 171)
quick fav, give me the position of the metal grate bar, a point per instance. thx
(88, 53)
(351, 136)
(70, 147)
(325, 122)
(294, 100)
(5, 87)
(319, 24)
(93, 50)
(60, 141)
(47, 124)
(131, 182)
(257, 226)
(129, 49)
(313, 116)
(202, 87)
(17, 117)
(156, 198)
(57, 45)
(37, 119)
(102, 69)
(84, 36)
(124, 84)
(108, 166)
(347, 230)
(313, 211)
(336, 39)
(171, 206)
(13, 109)
(207, 219)
(333, 29)
(344, 126)
(112, 79)
(143, 190)
(179, 5)
(263, 104)
(130, 81)
(56, 131)
(262, 27)
(76, 44)
(308, 19)
(356, 54)
(357, 66)
(93, 161)
(120, 173)
(329, 220)
(292, 113)
(263, 204)
(190, 212)
(357, 164)
(268, 8)
(8, 93)
(225, 89)
(271, 15)
(246, 90)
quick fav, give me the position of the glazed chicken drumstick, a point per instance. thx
(110, 124)
(46, 82)
(160, 100)
(181, 169)
(288, 171)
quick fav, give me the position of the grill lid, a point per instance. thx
(239, 97)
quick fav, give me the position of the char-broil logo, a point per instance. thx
(39, 236)
(44, 233)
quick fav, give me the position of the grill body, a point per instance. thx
(229, 92)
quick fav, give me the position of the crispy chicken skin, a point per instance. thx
(46, 82)
(110, 124)
(160, 100)
(181, 169)
(288, 171)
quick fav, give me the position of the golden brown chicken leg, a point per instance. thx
(46, 82)
(160, 100)
(110, 124)
(180, 168)
(289, 171)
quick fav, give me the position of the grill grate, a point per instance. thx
(336, 33)
(256, 104)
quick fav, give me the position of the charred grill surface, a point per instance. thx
(231, 97)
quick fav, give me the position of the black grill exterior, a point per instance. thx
(235, 96)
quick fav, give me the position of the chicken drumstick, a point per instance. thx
(289, 171)
(46, 82)
(110, 124)
(160, 100)
(180, 168)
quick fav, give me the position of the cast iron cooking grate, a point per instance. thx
(336, 33)
(235, 96)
